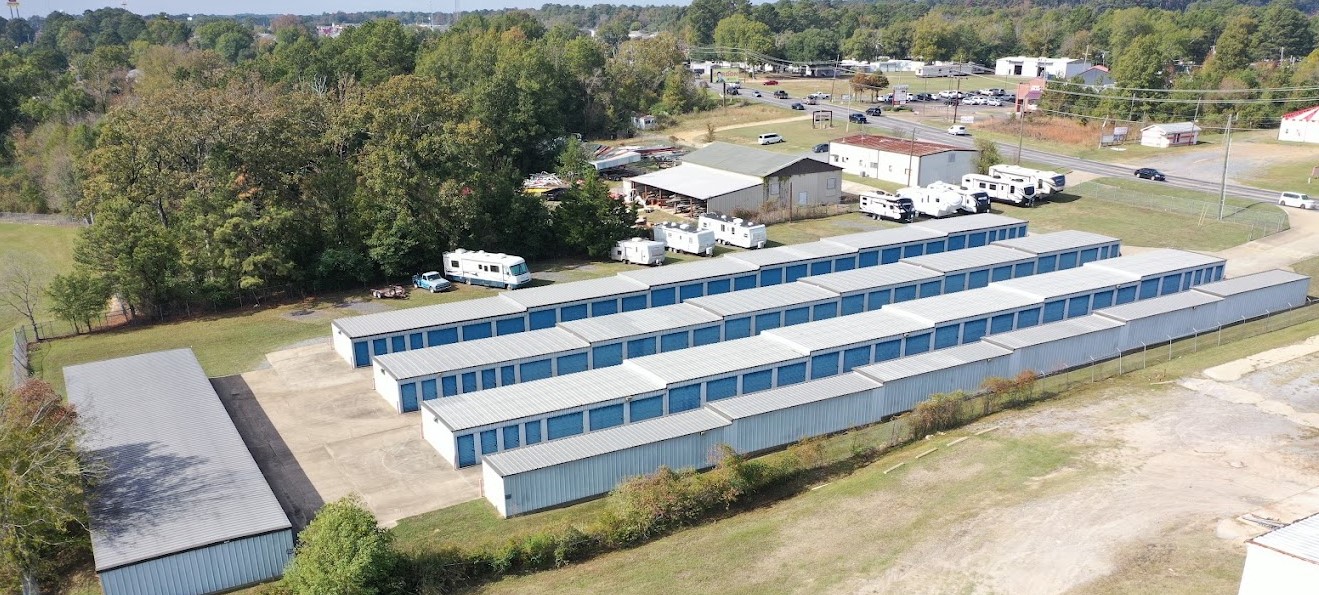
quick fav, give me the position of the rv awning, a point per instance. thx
(701, 183)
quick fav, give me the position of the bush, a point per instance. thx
(939, 412)
(343, 551)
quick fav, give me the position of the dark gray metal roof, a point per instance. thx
(868, 278)
(474, 354)
(179, 476)
(593, 444)
(1045, 243)
(761, 298)
(933, 361)
(742, 160)
(793, 395)
(1245, 283)
(1299, 539)
(398, 321)
(575, 291)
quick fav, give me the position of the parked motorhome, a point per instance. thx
(1046, 182)
(486, 268)
(931, 203)
(638, 251)
(1000, 189)
(684, 237)
(882, 205)
(973, 201)
(734, 231)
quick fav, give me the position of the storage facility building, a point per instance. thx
(911, 380)
(902, 161)
(1178, 134)
(1254, 295)
(1283, 561)
(771, 419)
(1063, 345)
(182, 507)
(1065, 249)
(726, 178)
(1301, 126)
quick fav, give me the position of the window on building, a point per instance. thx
(831, 183)
(774, 188)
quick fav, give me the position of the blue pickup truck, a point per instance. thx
(431, 281)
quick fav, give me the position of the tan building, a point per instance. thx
(725, 178)
(902, 161)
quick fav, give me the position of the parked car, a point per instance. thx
(734, 91)
(820, 148)
(771, 82)
(431, 281)
(755, 93)
(797, 106)
(952, 101)
(993, 102)
(1150, 173)
(973, 100)
(1298, 200)
(874, 111)
(781, 94)
(856, 118)
(958, 130)
(769, 138)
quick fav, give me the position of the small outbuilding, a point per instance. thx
(1177, 134)
(1054, 68)
(1301, 126)
(902, 161)
(726, 178)
(1283, 561)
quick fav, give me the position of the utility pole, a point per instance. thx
(957, 99)
(1021, 127)
(1227, 149)
(838, 58)
(911, 155)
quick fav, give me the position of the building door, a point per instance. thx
(361, 354)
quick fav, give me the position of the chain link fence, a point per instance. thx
(22, 366)
(1254, 219)
(41, 219)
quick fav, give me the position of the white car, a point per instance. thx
(993, 102)
(1297, 200)
(819, 95)
(958, 130)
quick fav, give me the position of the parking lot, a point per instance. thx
(319, 432)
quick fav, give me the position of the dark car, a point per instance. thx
(781, 94)
(797, 106)
(734, 91)
(857, 118)
(1150, 173)
(820, 148)
(874, 111)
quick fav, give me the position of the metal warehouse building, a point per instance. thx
(1060, 346)
(1250, 296)
(1065, 249)
(183, 508)
(910, 380)
(726, 177)
(1283, 561)
(770, 419)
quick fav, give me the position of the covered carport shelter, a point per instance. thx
(711, 189)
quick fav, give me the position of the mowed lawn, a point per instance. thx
(49, 250)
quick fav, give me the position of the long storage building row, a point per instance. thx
(359, 338)
(507, 417)
(551, 474)
(405, 379)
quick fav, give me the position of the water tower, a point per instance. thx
(13, 10)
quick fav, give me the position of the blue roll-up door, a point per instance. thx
(1028, 317)
(1171, 284)
(1047, 264)
(535, 370)
(573, 312)
(512, 437)
(1001, 323)
(718, 286)
(721, 388)
(532, 430)
(571, 364)
(479, 330)
(854, 304)
(1078, 306)
(606, 417)
(408, 396)
(564, 425)
(1055, 311)
(1199, 276)
(869, 258)
(1002, 273)
(604, 308)
(771, 276)
(973, 330)
(935, 247)
(379, 346)
(856, 356)
(1025, 269)
(737, 328)
(684, 398)
(821, 268)
(1103, 299)
(878, 299)
(1089, 255)
(398, 343)
(888, 350)
(918, 344)
(641, 347)
(361, 354)
(953, 283)
(488, 379)
(844, 264)
(705, 336)
(824, 311)
(542, 319)
(466, 450)
(825, 364)
(430, 389)
(912, 250)
(977, 239)
(691, 290)
(1126, 295)
(744, 282)
(891, 255)
(946, 336)
(489, 442)
(956, 242)
(1066, 260)
(646, 408)
(469, 382)
(634, 302)
(930, 288)
(797, 316)
(674, 341)
(978, 279)
(510, 326)
(663, 297)
(904, 294)
(790, 374)
(449, 386)
(1149, 288)
(416, 341)
(767, 321)
(444, 336)
(757, 381)
(607, 355)
(508, 375)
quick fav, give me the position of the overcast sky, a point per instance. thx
(144, 7)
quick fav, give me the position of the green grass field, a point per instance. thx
(1288, 175)
(1309, 266)
(50, 250)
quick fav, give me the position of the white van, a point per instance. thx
(1298, 200)
(769, 138)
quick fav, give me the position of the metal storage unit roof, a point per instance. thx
(792, 396)
(761, 298)
(938, 309)
(396, 321)
(868, 278)
(638, 322)
(471, 354)
(591, 444)
(179, 476)
(690, 271)
(1158, 305)
(1299, 539)
(1053, 331)
(575, 291)
(1044, 243)
(1062, 283)
(1155, 262)
(933, 361)
(846, 330)
(972, 258)
(967, 223)
(884, 237)
(713, 359)
(539, 397)
(791, 254)
(1248, 283)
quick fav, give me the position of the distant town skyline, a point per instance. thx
(301, 7)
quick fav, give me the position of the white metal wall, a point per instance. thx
(387, 386)
(439, 437)
(1265, 300)
(1269, 572)
(948, 166)
(1160, 328)
(786, 426)
(211, 569)
(343, 345)
(1061, 354)
(905, 393)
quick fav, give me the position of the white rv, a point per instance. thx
(683, 237)
(882, 205)
(931, 203)
(1000, 189)
(733, 231)
(1046, 182)
(973, 201)
(486, 268)
(638, 251)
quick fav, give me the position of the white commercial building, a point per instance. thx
(902, 161)
(1284, 561)
(1056, 68)
(1301, 126)
(1178, 134)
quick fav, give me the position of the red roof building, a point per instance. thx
(901, 160)
(1300, 126)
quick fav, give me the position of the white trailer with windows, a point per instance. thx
(1001, 190)
(882, 205)
(931, 203)
(486, 268)
(682, 237)
(973, 201)
(1046, 182)
(734, 231)
(638, 251)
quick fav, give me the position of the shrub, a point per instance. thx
(939, 412)
(342, 551)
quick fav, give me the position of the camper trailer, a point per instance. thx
(1000, 189)
(733, 231)
(486, 268)
(973, 201)
(683, 237)
(638, 251)
(1046, 182)
(882, 205)
(931, 203)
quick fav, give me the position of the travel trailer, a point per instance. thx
(486, 268)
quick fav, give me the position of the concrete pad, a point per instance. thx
(1234, 370)
(319, 432)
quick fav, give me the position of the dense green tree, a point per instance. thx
(1141, 65)
(1235, 45)
(933, 38)
(703, 17)
(78, 297)
(742, 38)
(230, 39)
(811, 45)
(589, 221)
(375, 51)
(864, 45)
(343, 551)
(1283, 32)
